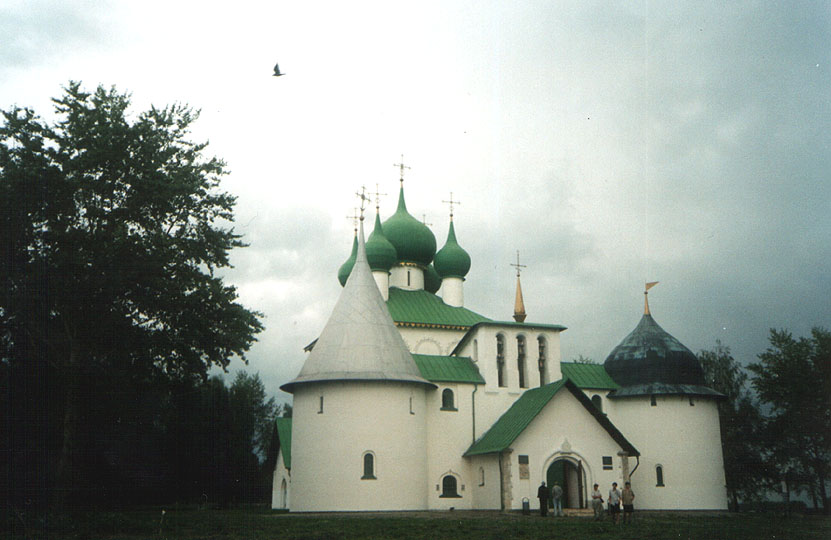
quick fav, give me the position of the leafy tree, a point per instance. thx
(740, 420)
(793, 378)
(583, 360)
(111, 228)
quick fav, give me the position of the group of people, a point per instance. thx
(627, 497)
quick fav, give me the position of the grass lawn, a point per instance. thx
(262, 524)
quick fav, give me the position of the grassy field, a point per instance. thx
(265, 524)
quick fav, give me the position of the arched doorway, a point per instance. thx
(571, 476)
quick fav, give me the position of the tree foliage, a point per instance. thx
(745, 464)
(111, 229)
(793, 378)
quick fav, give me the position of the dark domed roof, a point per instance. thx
(452, 260)
(346, 267)
(656, 362)
(412, 239)
(380, 253)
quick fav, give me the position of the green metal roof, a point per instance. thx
(423, 309)
(588, 376)
(666, 390)
(514, 421)
(448, 369)
(505, 430)
(284, 439)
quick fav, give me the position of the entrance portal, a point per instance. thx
(572, 478)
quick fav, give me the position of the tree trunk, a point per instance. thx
(66, 473)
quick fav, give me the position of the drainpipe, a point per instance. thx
(637, 462)
(473, 410)
(501, 485)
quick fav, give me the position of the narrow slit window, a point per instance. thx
(659, 476)
(320, 411)
(541, 360)
(369, 467)
(520, 360)
(500, 360)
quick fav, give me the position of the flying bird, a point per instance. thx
(277, 70)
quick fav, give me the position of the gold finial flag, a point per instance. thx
(646, 296)
(519, 303)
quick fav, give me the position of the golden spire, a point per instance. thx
(646, 297)
(519, 304)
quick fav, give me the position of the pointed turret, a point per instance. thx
(360, 340)
(452, 264)
(519, 304)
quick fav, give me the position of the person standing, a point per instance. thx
(628, 497)
(614, 502)
(597, 503)
(557, 499)
(542, 495)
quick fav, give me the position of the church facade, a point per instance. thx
(410, 401)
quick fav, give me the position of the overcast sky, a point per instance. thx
(610, 143)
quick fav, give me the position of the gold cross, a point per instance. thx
(401, 166)
(517, 265)
(378, 196)
(355, 219)
(364, 198)
(451, 202)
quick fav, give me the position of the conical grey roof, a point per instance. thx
(360, 340)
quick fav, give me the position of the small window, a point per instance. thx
(369, 467)
(607, 463)
(659, 476)
(447, 401)
(411, 405)
(475, 350)
(320, 411)
(408, 278)
(448, 487)
(523, 460)
(692, 402)
(481, 476)
(598, 402)
(652, 400)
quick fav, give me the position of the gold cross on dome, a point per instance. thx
(355, 217)
(518, 266)
(451, 202)
(364, 198)
(378, 196)
(401, 167)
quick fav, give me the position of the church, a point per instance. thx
(408, 400)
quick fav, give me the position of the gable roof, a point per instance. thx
(423, 309)
(460, 369)
(514, 421)
(588, 376)
(283, 427)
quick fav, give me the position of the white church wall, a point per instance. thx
(485, 484)
(386, 419)
(452, 291)
(684, 440)
(407, 276)
(564, 429)
(281, 484)
(449, 435)
(438, 341)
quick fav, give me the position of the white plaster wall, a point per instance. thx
(328, 448)
(430, 340)
(382, 279)
(280, 474)
(564, 428)
(452, 291)
(496, 400)
(485, 490)
(449, 435)
(398, 277)
(685, 440)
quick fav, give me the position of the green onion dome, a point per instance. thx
(346, 268)
(413, 240)
(432, 280)
(380, 253)
(452, 260)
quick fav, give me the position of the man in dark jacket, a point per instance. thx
(542, 495)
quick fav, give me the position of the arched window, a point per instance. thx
(520, 360)
(475, 350)
(659, 475)
(448, 487)
(500, 360)
(598, 402)
(369, 466)
(541, 361)
(447, 402)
